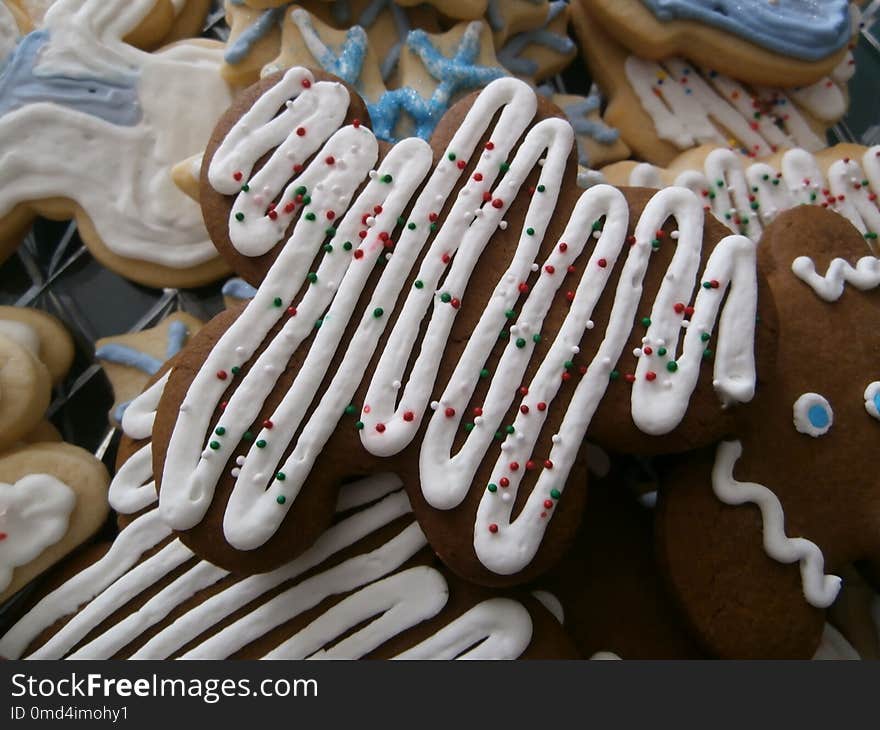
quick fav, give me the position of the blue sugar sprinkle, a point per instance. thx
(818, 416)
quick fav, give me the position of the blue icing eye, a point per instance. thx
(818, 416)
(872, 399)
(813, 415)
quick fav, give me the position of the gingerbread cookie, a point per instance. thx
(41, 333)
(747, 196)
(611, 593)
(259, 394)
(154, 599)
(87, 92)
(801, 460)
(130, 360)
(663, 108)
(767, 43)
(52, 499)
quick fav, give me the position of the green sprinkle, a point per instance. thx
(350, 409)
(328, 248)
(504, 335)
(509, 429)
(318, 323)
(776, 181)
(281, 499)
(306, 200)
(705, 336)
(419, 284)
(330, 231)
(214, 445)
(469, 427)
(615, 374)
(220, 431)
(520, 342)
(597, 225)
(400, 220)
(707, 354)
(261, 444)
(661, 352)
(248, 436)
(446, 297)
(235, 369)
(530, 231)
(433, 227)
(451, 156)
(359, 425)
(310, 216)
(504, 167)
(347, 246)
(301, 190)
(492, 487)
(277, 301)
(499, 435)
(536, 339)
(707, 285)
(378, 312)
(646, 321)
(239, 217)
(281, 476)
(555, 493)
(312, 277)
(245, 188)
(411, 226)
(510, 314)
(672, 366)
(484, 373)
(541, 188)
(568, 364)
(386, 178)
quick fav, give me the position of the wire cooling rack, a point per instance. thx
(53, 271)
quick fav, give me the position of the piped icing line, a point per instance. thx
(820, 590)
(498, 628)
(747, 197)
(238, 289)
(689, 108)
(133, 487)
(34, 514)
(805, 29)
(516, 103)
(864, 275)
(119, 354)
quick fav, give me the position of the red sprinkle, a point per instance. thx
(523, 287)
(221, 375)
(445, 258)
(548, 504)
(542, 406)
(524, 409)
(356, 123)
(291, 311)
(223, 406)
(563, 247)
(460, 164)
(237, 176)
(358, 254)
(548, 464)
(330, 160)
(498, 203)
(493, 528)
(514, 466)
(450, 412)
(504, 482)
(301, 131)
(380, 427)
(3, 536)
(478, 176)
(456, 303)
(408, 416)
(530, 465)
(268, 424)
(490, 145)
(630, 378)
(550, 269)
(306, 83)
(602, 263)
(330, 215)
(523, 390)
(651, 375)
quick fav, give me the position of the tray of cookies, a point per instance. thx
(372, 328)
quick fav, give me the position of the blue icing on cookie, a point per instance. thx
(239, 49)
(494, 16)
(118, 354)
(807, 29)
(114, 101)
(238, 289)
(577, 113)
(510, 54)
(455, 73)
(348, 61)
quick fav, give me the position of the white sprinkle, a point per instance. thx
(434, 405)
(373, 174)
(235, 473)
(685, 324)
(505, 446)
(575, 349)
(637, 352)
(590, 324)
(503, 225)
(239, 460)
(675, 235)
(556, 438)
(534, 267)
(477, 213)
(478, 421)
(514, 330)
(396, 385)
(371, 221)
(505, 496)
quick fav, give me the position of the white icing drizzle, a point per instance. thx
(864, 276)
(834, 647)
(871, 399)
(690, 108)
(133, 487)
(254, 511)
(747, 197)
(400, 599)
(813, 415)
(551, 603)
(34, 514)
(605, 656)
(820, 590)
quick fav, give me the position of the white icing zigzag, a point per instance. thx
(498, 628)
(820, 590)
(322, 193)
(864, 276)
(746, 198)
